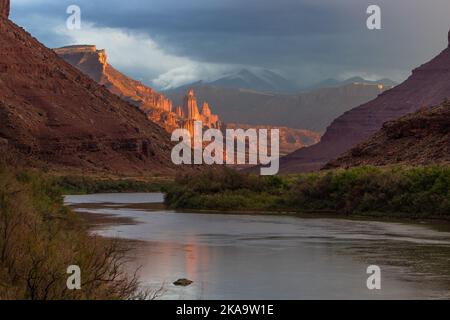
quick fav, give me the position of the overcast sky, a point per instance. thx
(172, 42)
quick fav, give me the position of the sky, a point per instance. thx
(168, 43)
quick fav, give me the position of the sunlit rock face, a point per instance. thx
(189, 113)
(190, 106)
(4, 8)
(95, 64)
(156, 106)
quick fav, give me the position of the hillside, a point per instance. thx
(420, 138)
(54, 116)
(427, 86)
(290, 139)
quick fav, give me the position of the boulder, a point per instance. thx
(183, 282)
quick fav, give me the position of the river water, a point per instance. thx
(271, 256)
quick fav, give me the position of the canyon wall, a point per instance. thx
(156, 106)
(420, 138)
(427, 86)
(4, 8)
(54, 116)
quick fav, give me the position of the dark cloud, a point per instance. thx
(305, 39)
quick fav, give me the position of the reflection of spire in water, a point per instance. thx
(196, 263)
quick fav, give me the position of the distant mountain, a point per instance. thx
(355, 80)
(311, 110)
(427, 86)
(267, 81)
(420, 138)
(261, 80)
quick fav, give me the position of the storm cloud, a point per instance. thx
(172, 42)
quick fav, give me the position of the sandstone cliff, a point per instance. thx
(420, 138)
(156, 106)
(4, 8)
(52, 115)
(428, 85)
(95, 64)
(190, 113)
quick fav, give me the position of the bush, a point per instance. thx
(87, 185)
(224, 189)
(40, 238)
(410, 191)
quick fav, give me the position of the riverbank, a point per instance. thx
(77, 184)
(238, 256)
(390, 192)
(40, 238)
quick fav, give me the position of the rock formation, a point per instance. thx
(190, 113)
(427, 86)
(190, 106)
(4, 8)
(156, 106)
(54, 116)
(420, 138)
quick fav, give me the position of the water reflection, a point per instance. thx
(273, 257)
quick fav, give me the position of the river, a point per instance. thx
(232, 256)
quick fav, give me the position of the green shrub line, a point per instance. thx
(90, 185)
(398, 191)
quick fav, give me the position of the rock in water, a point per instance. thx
(183, 282)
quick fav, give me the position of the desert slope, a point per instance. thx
(52, 115)
(420, 138)
(427, 86)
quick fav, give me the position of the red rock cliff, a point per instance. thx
(52, 115)
(156, 106)
(420, 138)
(427, 86)
(95, 64)
(4, 8)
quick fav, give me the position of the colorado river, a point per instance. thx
(272, 257)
